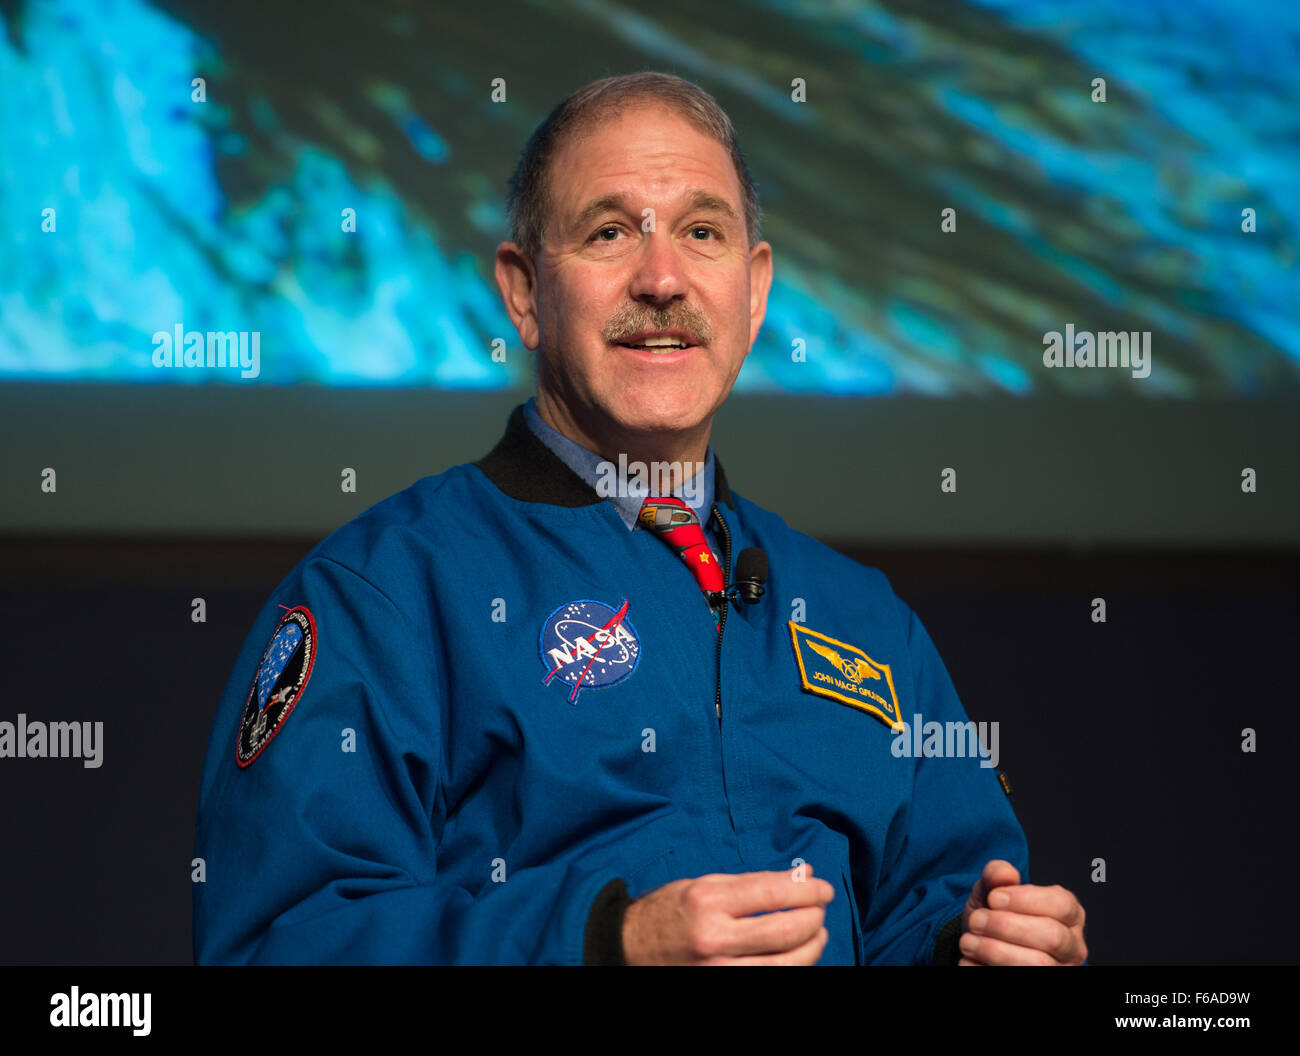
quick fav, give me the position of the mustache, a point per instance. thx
(694, 326)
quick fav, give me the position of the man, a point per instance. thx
(522, 712)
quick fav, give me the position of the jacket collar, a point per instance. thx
(526, 469)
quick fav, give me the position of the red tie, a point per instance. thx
(678, 526)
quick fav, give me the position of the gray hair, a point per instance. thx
(529, 200)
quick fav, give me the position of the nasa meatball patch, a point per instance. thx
(588, 645)
(279, 681)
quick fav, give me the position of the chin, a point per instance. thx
(660, 412)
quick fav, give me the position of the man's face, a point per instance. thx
(605, 284)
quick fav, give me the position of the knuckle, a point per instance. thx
(1063, 941)
(705, 943)
(699, 896)
(1064, 902)
(784, 932)
(792, 930)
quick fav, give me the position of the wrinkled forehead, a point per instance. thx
(575, 179)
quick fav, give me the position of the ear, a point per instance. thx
(760, 282)
(517, 281)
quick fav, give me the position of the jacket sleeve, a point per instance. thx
(959, 819)
(316, 854)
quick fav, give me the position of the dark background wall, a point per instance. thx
(1122, 740)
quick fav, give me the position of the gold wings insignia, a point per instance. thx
(866, 670)
(826, 651)
(856, 670)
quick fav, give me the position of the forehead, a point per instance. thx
(647, 149)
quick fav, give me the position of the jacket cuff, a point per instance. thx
(946, 952)
(603, 940)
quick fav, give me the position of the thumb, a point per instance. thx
(997, 873)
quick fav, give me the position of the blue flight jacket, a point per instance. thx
(447, 739)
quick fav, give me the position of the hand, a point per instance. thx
(706, 920)
(1007, 922)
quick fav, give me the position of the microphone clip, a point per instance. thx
(747, 591)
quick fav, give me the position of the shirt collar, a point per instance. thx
(586, 464)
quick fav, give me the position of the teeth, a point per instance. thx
(661, 342)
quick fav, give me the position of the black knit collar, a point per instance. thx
(526, 469)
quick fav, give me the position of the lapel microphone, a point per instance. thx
(751, 574)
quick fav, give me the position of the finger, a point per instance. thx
(805, 869)
(990, 951)
(1035, 900)
(809, 953)
(764, 892)
(1039, 933)
(997, 873)
(780, 932)
(966, 962)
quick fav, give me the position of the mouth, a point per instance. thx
(659, 342)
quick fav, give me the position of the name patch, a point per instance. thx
(843, 672)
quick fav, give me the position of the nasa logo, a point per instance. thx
(588, 645)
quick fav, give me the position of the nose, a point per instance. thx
(658, 276)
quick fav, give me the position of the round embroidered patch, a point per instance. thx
(278, 683)
(589, 645)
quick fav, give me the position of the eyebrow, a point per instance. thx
(699, 201)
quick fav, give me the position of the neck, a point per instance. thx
(681, 453)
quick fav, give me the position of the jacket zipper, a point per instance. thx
(722, 623)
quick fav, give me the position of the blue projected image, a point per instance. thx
(330, 196)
